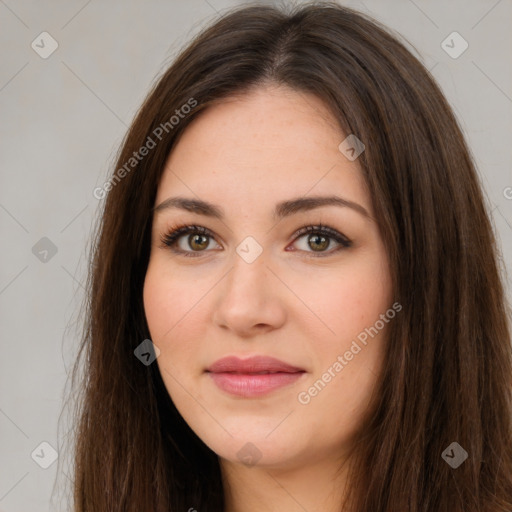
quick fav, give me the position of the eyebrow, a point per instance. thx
(281, 210)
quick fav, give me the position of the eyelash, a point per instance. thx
(176, 232)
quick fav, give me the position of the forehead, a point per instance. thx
(269, 144)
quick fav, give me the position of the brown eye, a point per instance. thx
(194, 244)
(198, 242)
(318, 242)
(315, 240)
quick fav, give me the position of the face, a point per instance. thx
(268, 269)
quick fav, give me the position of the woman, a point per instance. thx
(294, 298)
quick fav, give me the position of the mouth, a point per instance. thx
(252, 377)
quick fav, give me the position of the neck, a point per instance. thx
(308, 486)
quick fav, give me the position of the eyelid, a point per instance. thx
(324, 230)
(170, 238)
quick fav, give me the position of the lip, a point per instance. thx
(254, 364)
(254, 376)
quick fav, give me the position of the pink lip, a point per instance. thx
(246, 377)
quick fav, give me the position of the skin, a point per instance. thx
(245, 155)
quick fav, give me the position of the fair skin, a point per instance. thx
(300, 300)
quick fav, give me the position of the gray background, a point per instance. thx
(63, 119)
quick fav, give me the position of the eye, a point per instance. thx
(198, 240)
(191, 241)
(319, 238)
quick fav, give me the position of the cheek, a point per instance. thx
(159, 305)
(176, 319)
(348, 298)
(168, 301)
(346, 365)
(350, 301)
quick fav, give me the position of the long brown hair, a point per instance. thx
(447, 374)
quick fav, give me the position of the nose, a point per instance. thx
(249, 300)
